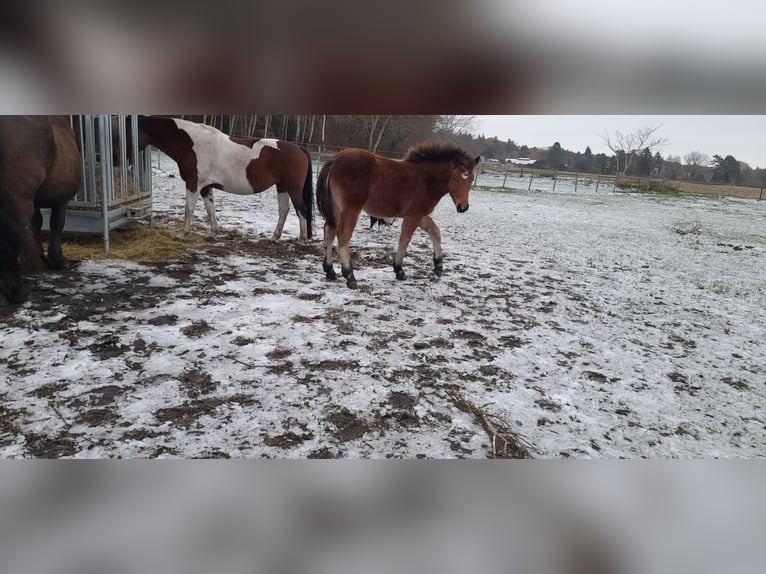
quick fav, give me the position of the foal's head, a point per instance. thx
(460, 167)
(461, 178)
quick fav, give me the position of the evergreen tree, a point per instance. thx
(555, 156)
(644, 166)
(726, 169)
(586, 161)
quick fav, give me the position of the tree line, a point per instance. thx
(633, 154)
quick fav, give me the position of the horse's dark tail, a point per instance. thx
(308, 195)
(324, 197)
(11, 284)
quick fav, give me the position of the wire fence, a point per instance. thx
(532, 179)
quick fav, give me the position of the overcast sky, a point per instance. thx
(744, 137)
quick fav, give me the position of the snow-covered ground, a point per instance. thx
(594, 324)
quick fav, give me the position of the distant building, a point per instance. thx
(520, 161)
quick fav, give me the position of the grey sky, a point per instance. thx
(744, 137)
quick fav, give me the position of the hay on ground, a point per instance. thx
(139, 243)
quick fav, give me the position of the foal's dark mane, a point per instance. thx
(439, 151)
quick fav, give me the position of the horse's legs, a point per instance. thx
(409, 225)
(283, 200)
(37, 229)
(11, 283)
(329, 237)
(55, 256)
(428, 225)
(207, 199)
(346, 227)
(284, 196)
(191, 202)
(304, 233)
(31, 250)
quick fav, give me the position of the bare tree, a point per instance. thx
(374, 127)
(454, 125)
(695, 160)
(631, 144)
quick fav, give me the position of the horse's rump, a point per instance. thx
(40, 166)
(64, 176)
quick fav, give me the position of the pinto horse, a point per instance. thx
(209, 159)
(354, 180)
(40, 167)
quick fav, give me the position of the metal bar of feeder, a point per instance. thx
(90, 155)
(134, 155)
(121, 129)
(107, 175)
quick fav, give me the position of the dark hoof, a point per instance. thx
(438, 269)
(56, 264)
(16, 295)
(400, 275)
(350, 279)
(329, 272)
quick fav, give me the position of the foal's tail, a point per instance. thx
(324, 196)
(308, 195)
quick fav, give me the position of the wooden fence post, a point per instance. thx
(554, 179)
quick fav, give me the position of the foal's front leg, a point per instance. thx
(409, 225)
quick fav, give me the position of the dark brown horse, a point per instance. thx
(40, 167)
(209, 159)
(354, 180)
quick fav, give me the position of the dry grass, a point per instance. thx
(139, 243)
(721, 189)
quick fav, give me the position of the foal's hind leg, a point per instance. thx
(345, 230)
(329, 237)
(408, 228)
(304, 232)
(429, 226)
